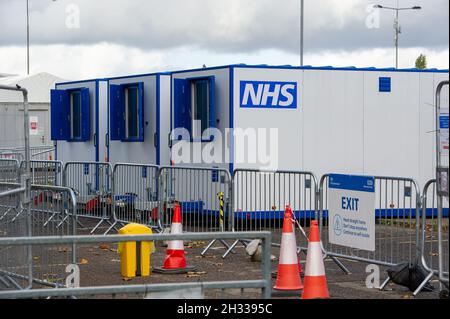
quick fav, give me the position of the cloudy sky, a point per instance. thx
(77, 39)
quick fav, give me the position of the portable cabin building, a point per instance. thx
(359, 121)
(139, 119)
(79, 120)
(344, 120)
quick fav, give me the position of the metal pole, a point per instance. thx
(397, 34)
(25, 175)
(302, 15)
(438, 165)
(28, 40)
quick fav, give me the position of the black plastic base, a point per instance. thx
(160, 270)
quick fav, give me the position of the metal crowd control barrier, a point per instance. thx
(12, 156)
(92, 183)
(135, 194)
(435, 233)
(196, 190)
(260, 199)
(46, 152)
(264, 283)
(14, 261)
(52, 213)
(45, 172)
(397, 229)
(9, 170)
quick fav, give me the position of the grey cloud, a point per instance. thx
(224, 26)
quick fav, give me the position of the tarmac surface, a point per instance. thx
(100, 265)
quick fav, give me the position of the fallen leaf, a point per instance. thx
(83, 261)
(104, 247)
(126, 279)
(63, 249)
(197, 273)
(113, 250)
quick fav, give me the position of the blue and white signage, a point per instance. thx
(351, 211)
(443, 132)
(264, 94)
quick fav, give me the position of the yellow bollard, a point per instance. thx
(135, 257)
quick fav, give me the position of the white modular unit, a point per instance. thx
(79, 120)
(342, 120)
(216, 82)
(139, 119)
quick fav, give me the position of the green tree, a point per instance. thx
(421, 62)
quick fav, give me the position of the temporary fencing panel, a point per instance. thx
(52, 213)
(9, 170)
(435, 233)
(92, 183)
(198, 191)
(260, 199)
(135, 195)
(13, 223)
(397, 216)
(45, 172)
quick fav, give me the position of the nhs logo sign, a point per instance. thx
(264, 94)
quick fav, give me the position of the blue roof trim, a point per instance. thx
(309, 67)
(81, 81)
(138, 75)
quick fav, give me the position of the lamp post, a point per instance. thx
(302, 12)
(28, 40)
(397, 27)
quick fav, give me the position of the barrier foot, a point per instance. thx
(341, 265)
(231, 249)
(80, 223)
(223, 242)
(7, 285)
(62, 221)
(49, 220)
(110, 228)
(97, 226)
(6, 213)
(384, 284)
(424, 282)
(207, 247)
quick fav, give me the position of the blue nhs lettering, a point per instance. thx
(257, 94)
(349, 203)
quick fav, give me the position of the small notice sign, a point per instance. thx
(352, 211)
(34, 126)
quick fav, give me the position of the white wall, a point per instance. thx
(333, 127)
(287, 121)
(164, 113)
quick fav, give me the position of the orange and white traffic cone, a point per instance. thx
(288, 277)
(175, 258)
(315, 280)
(175, 261)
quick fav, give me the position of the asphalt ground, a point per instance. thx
(100, 265)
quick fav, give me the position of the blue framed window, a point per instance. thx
(194, 105)
(127, 112)
(70, 115)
